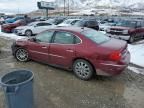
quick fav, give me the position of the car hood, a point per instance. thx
(119, 28)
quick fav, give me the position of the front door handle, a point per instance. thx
(44, 47)
(69, 50)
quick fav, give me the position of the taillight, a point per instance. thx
(116, 56)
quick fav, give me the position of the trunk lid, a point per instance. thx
(115, 44)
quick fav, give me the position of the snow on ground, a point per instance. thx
(136, 70)
(137, 53)
(10, 35)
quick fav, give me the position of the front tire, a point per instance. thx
(83, 69)
(21, 55)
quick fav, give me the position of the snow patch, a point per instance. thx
(137, 54)
(10, 35)
(136, 70)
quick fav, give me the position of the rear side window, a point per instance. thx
(43, 24)
(91, 23)
(63, 38)
(95, 36)
(77, 40)
(73, 22)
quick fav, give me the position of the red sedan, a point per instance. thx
(8, 28)
(83, 50)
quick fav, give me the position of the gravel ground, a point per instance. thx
(57, 88)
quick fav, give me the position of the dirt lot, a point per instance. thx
(56, 88)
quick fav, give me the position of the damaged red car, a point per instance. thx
(83, 50)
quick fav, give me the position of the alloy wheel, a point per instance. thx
(22, 55)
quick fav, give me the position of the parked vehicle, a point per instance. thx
(12, 20)
(83, 50)
(55, 21)
(105, 26)
(129, 30)
(90, 23)
(8, 28)
(33, 28)
(2, 20)
(68, 22)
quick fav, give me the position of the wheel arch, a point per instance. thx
(28, 30)
(85, 60)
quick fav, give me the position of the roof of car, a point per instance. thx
(132, 20)
(75, 29)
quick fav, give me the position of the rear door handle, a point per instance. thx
(44, 47)
(69, 50)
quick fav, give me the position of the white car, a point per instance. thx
(68, 22)
(105, 26)
(33, 28)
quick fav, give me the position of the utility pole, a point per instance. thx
(46, 13)
(64, 7)
(68, 7)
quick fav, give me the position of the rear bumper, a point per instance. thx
(126, 37)
(5, 30)
(112, 68)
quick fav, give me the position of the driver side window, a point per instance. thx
(45, 36)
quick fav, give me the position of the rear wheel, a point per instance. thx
(21, 55)
(83, 69)
(28, 33)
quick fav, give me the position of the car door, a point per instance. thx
(47, 26)
(142, 29)
(91, 24)
(139, 30)
(62, 50)
(38, 49)
(39, 28)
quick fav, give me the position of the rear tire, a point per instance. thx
(132, 39)
(28, 33)
(83, 69)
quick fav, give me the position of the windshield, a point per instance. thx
(67, 21)
(31, 24)
(18, 21)
(51, 21)
(95, 36)
(127, 24)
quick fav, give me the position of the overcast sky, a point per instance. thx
(18, 6)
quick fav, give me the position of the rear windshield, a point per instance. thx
(95, 36)
(79, 23)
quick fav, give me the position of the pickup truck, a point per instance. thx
(129, 30)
